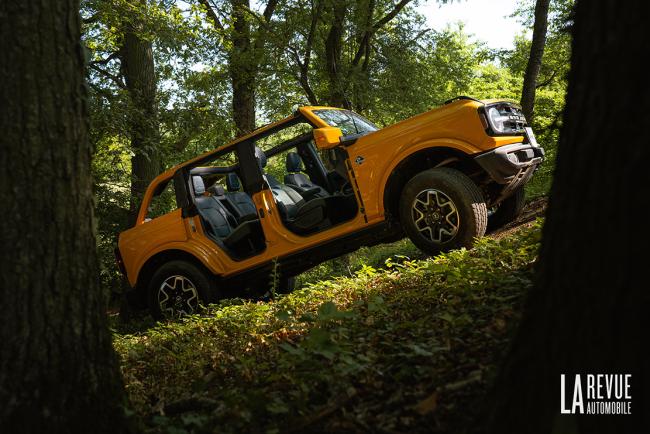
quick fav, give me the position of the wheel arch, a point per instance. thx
(158, 259)
(418, 161)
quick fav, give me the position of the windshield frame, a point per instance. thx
(359, 123)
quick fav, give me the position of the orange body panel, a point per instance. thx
(456, 126)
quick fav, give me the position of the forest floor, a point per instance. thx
(390, 342)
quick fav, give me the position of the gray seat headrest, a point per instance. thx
(294, 163)
(199, 185)
(217, 190)
(232, 182)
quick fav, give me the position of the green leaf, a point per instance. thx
(447, 317)
(277, 406)
(283, 315)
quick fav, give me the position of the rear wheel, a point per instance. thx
(507, 211)
(178, 288)
(442, 209)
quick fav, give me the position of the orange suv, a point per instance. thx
(318, 184)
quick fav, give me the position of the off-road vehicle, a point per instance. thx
(321, 183)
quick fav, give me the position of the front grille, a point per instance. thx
(517, 120)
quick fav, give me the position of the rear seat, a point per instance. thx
(218, 221)
(242, 237)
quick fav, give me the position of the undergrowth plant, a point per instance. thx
(408, 345)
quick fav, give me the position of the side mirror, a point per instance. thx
(327, 137)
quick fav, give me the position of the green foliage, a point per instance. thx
(494, 81)
(364, 351)
(110, 167)
(188, 113)
(551, 83)
(413, 79)
(383, 255)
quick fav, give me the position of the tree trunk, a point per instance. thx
(361, 81)
(304, 65)
(243, 57)
(535, 58)
(58, 371)
(333, 48)
(588, 311)
(243, 69)
(140, 76)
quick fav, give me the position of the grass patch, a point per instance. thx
(409, 347)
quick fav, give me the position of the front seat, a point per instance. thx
(299, 181)
(299, 215)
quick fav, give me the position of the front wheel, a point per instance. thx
(177, 289)
(442, 209)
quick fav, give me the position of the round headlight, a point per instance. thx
(497, 120)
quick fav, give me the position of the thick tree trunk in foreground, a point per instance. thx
(58, 372)
(535, 58)
(140, 76)
(588, 312)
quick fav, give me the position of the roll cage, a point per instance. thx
(247, 237)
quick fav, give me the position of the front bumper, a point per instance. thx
(511, 165)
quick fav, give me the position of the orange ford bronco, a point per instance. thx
(321, 183)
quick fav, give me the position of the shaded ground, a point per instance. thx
(408, 348)
(532, 211)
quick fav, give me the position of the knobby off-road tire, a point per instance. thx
(507, 211)
(442, 209)
(178, 288)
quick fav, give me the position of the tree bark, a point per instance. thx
(243, 69)
(355, 77)
(140, 76)
(333, 49)
(58, 371)
(362, 79)
(588, 311)
(243, 57)
(535, 59)
(305, 63)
